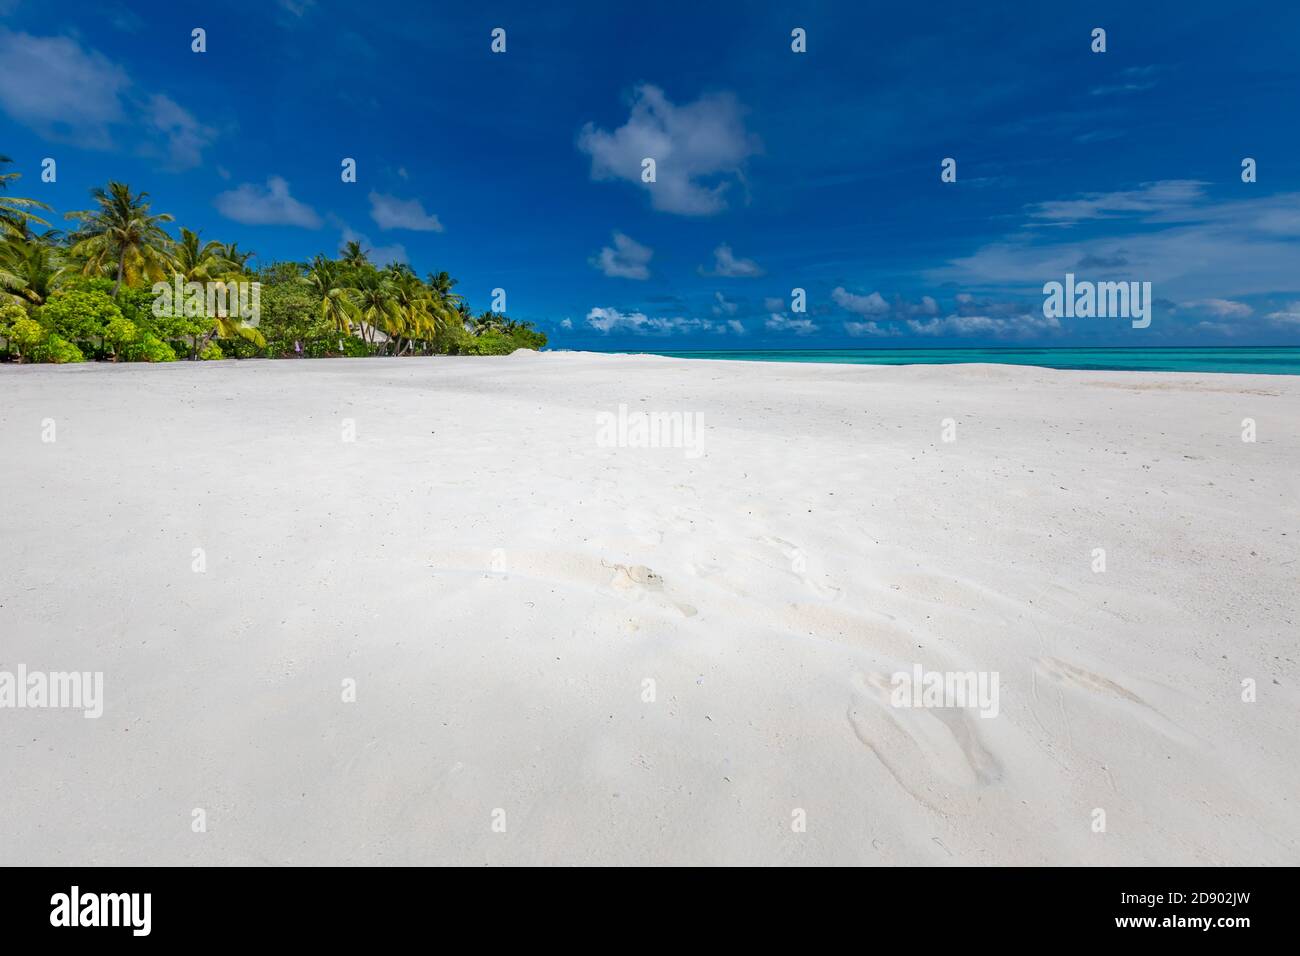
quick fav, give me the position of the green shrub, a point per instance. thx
(78, 316)
(56, 350)
(211, 351)
(149, 348)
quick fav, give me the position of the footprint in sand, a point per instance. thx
(934, 753)
(796, 560)
(1072, 676)
(1066, 673)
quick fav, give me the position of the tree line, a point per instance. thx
(86, 294)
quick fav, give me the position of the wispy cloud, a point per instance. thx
(67, 93)
(1170, 233)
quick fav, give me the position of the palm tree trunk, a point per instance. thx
(121, 268)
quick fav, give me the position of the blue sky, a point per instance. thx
(775, 170)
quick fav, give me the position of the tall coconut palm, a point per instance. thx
(421, 312)
(376, 307)
(199, 261)
(327, 283)
(354, 257)
(236, 257)
(15, 220)
(122, 237)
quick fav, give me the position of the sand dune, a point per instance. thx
(640, 655)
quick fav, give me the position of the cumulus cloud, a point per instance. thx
(1222, 308)
(873, 304)
(784, 323)
(1290, 315)
(722, 306)
(389, 212)
(699, 149)
(727, 265)
(67, 93)
(613, 320)
(271, 205)
(1025, 325)
(870, 329)
(626, 259)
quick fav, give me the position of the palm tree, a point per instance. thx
(14, 218)
(29, 269)
(354, 257)
(420, 309)
(199, 261)
(465, 314)
(232, 254)
(122, 236)
(490, 321)
(327, 283)
(376, 307)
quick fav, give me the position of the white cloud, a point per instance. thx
(566, 323)
(612, 320)
(389, 212)
(692, 146)
(773, 303)
(722, 306)
(727, 265)
(1166, 198)
(68, 93)
(186, 136)
(783, 323)
(1188, 251)
(1287, 316)
(266, 206)
(736, 326)
(1223, 308)
(870, 329)
(626, 259)
(60, 90)
(873, 304)
(1018, 326)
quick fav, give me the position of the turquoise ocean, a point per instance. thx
(1257, 360)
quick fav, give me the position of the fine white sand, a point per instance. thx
(501, 587)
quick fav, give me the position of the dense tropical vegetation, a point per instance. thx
(87, 294)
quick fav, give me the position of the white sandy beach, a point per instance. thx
(500, 587)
